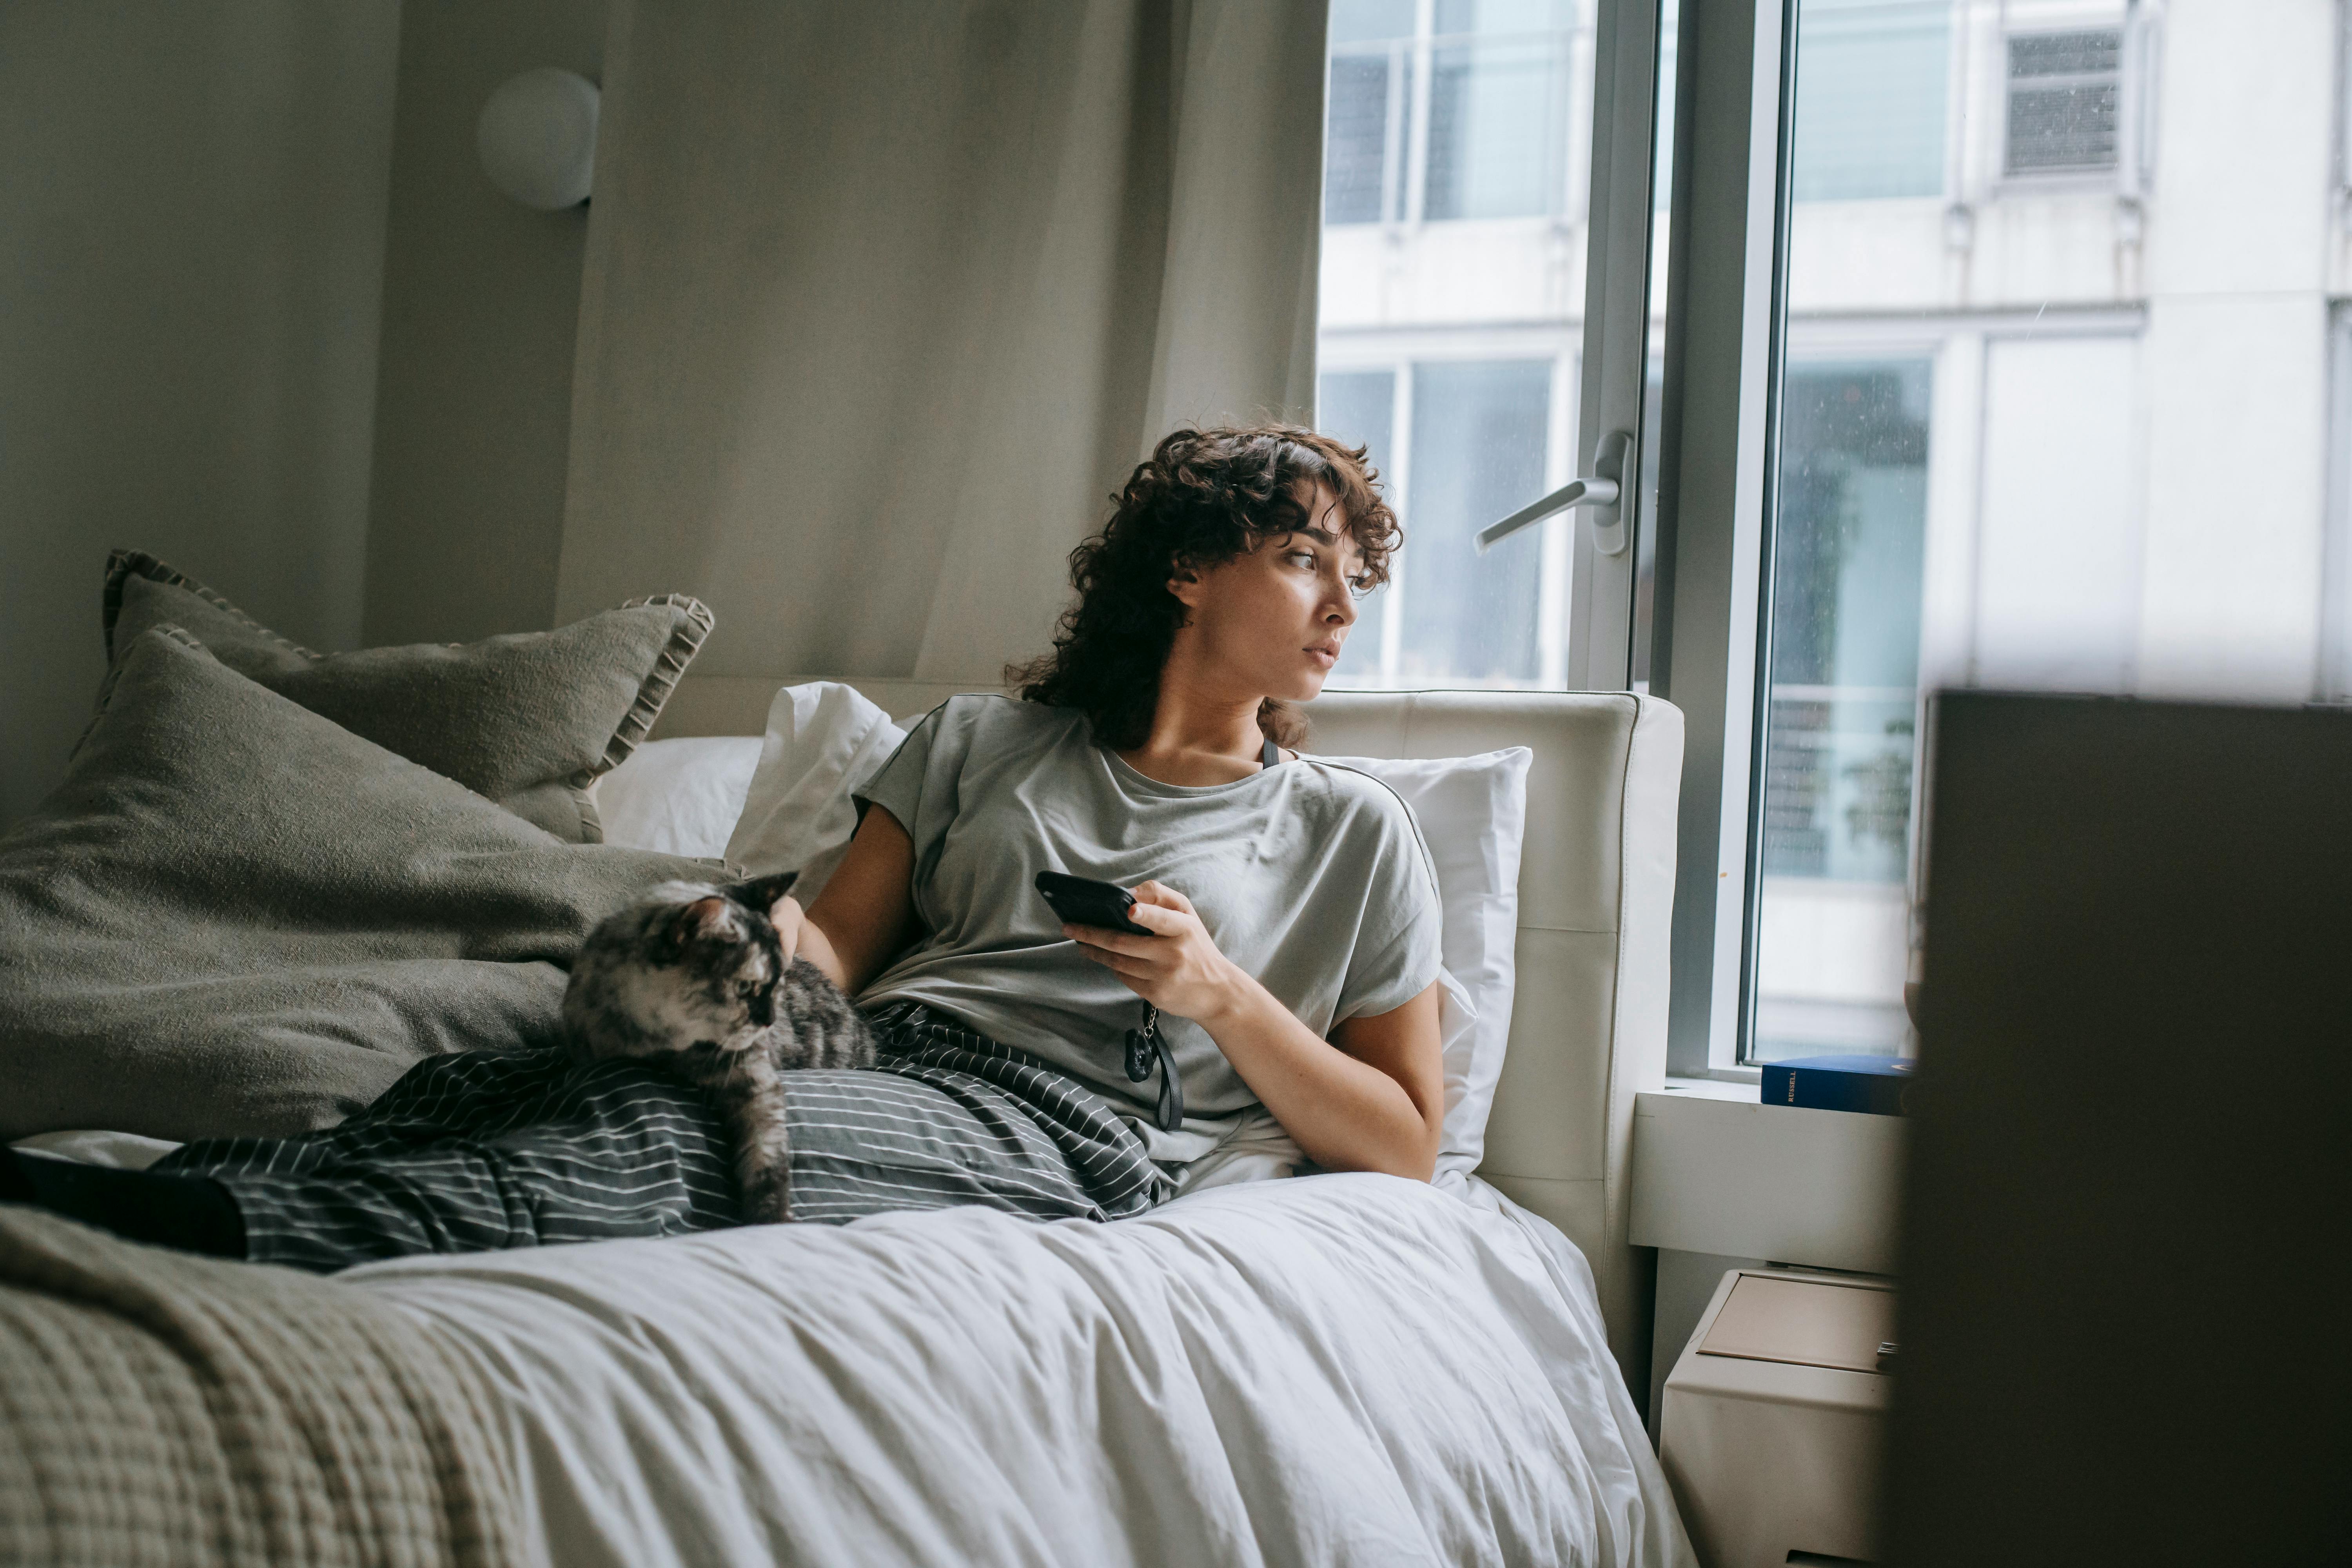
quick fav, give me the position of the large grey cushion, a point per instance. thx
(529, 720)
(236, 918)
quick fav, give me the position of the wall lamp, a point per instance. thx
(537, 137)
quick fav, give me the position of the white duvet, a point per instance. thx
(1335, 1370)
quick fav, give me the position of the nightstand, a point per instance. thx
(1774, 1416)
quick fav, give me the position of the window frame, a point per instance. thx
(1730, 212)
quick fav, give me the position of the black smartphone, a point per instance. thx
(1083, 902)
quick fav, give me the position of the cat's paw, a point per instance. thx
(767, 1198)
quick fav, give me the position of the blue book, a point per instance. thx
(1874, 1084)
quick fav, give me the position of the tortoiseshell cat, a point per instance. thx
(690, 977)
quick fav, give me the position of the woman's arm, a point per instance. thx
(866, 916)
(1377, 1103)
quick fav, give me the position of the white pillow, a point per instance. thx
(681, 798)
(823, 740)
(1473, 814)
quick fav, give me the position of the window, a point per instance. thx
(1988, 404)
(1499, 106)
(1870, 108)
(1453, 307)
(2065, 90)
(1458, 109)
(1361, 165)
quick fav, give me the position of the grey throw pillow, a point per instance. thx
(236, 918)
(529, 720)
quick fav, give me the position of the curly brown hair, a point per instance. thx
(1202, 497)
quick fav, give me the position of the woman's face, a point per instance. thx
(1272, 621)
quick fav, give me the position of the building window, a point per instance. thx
(1361, 171)
(1870, 108)
(1456, 109)
(1478, 439)
(2065, 90)
(1497, 110)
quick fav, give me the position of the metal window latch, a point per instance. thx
(1602, 490)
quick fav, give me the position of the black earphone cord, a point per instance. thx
(1144, 1045)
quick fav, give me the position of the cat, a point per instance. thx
(691, 976)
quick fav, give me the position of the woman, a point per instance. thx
(1290, 904)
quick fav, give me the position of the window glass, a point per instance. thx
(2053, 416)
(1870, 98)
(1452, 300)
(1360, 407)
(1456, 17)
(1840, 710)
(1356, 161)
(1478, 441)
(1370, 21)
(1496, 137)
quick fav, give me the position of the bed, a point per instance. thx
(1333, 1369)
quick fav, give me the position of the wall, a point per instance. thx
(192, 218)
(481, 297)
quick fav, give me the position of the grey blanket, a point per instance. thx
(237, 918)
(157, 1408)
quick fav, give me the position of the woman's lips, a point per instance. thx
(1324, 657)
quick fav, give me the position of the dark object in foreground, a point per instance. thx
(2121, 1310)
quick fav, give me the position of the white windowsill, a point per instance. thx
(1715, 1171)
(1748, 1086)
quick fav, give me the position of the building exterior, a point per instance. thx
(2067, 400)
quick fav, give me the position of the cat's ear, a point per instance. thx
(697, 922)
(706, 916)
(760, 893)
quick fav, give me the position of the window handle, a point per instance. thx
(1599, 491)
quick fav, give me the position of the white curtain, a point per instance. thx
(885, 297)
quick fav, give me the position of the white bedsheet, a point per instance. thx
(1344, 1369)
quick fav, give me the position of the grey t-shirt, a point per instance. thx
(1310, 876)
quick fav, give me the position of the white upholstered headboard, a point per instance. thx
(1596, 903)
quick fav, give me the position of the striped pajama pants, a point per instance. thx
(480, 1150)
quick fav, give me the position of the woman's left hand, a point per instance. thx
(1178, 968)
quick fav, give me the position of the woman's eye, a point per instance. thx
(1306, 555)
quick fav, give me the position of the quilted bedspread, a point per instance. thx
(157, 1408)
